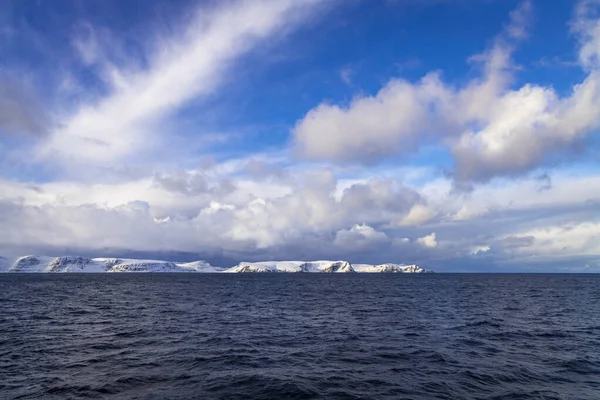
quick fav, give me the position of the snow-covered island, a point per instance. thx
(44, 264)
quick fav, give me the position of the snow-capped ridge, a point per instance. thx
(33, 264)
(293, 266)
(389, 268)
(99, 265)
(45, 264)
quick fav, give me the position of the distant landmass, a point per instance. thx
(45, 264)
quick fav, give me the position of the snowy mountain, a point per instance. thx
(389, 268)
(294, 266)
(81, 264)
(99, 265)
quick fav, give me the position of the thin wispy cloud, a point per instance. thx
(186, 66)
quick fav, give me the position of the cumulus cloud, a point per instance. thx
(193, 210)
(525, 127)
(490, 128)
(370, 127)
(428, 241)
(359, 238)
(303, 216)
(418, 215)
(480, 249)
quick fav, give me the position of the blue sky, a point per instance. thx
(460, 135)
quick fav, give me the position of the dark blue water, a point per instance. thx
(300, 336)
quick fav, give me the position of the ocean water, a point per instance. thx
(299, 336)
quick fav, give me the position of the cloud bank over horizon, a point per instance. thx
(279, 129)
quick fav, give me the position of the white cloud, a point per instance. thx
(186, 66)
(524, 127)
(569, 190)
(247, 215)
(491, 128)
(480, 249)
(428, 241)
(418, 215)
(359, 237)
(370, 127)
(570, 239)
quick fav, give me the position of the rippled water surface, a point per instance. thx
(300, 336)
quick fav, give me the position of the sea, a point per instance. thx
(299, 336)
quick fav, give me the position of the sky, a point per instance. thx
(460, 135)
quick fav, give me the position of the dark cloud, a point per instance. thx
(20, 111)
(192, 183)
(262, 170)
(545, 182)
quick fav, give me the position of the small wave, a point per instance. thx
(70, 390)
(41, 317)
(478, 324)
(106, 346)
(293, 337)
(531, 395)
(264, 387)
(128, 334)
(581, 366)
